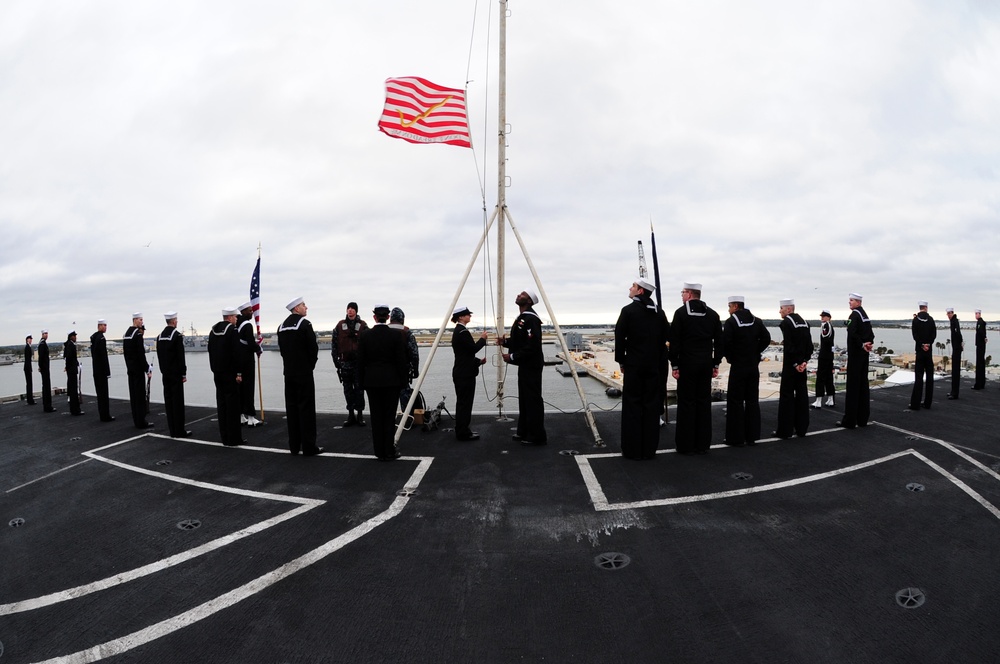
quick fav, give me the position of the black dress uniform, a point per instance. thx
(249, 350)
(72, 375)
(102, 371)
(136, 368)
(463, 374)
(695, 351)
(173, 370)
(744, 338)
(857, 402)
(43, 369)
(956, 357)
(525, 351)
(980, 355)
(299, 353)
(924, 333)
(223, 357)
(824, 363)
(383, 367)
(641, 336)
(793, 398)
(29, 390)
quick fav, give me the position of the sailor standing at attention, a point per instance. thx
(72, 373)
(824, 362)
(525, 346)
(793, 399)
(383, 367)
(695, 355)
(299, 352)
(957, 346)
(250, 350)
(136, 367)
(29, 390)
(641, 336)
(980, 351)
(102, 370)
(860, 340)
(924, 333)
(224, 359)
(744, 338)
(43, 369)
(173, 372)
(464, 371)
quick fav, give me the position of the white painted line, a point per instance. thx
(54, 472)
(170, 625)
(952, 448)
(960, 484)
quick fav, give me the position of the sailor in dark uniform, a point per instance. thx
(250, 350)
(525, 351)
(383, 366)
(72, 373)
(29, 390)
(173, 371)
(641, 335)
(299, 352)
(793, 399)
(136, 367)
(924, 333)
(224, 359)
(980, 351)
(43, 369)
(695, 355)
(464, 371)
(744, 338)
(957, 346)
(860, 340)
(824, 362)
(102, 370)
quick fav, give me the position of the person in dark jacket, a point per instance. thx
(793, 399)
(43, 369)
(299, 353)
(860, 340)
(397, 321)
(102, 370)
(173, 371)
(957, 346)
(695, 354)
(382, 370)
(136, 367)
(464, 371)
(224, 359)
(525, 352)
(744, 338)
(344, 348)
(29, 390)
(980, 351)
(924, 333)
(824, 362)
(641, 335)
(72, 373)
(250, 350)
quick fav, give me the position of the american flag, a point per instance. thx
(255, 298)
(419, 111)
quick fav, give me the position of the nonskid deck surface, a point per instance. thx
(128, 545)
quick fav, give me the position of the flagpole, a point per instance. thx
(260, 379)
(501, 208)
(659, 303)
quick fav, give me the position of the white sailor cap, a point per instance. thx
(737, 298)
(533, 295)
(692, 286)
(45, 331)
(787, 302)
(102, 321)
(855, 296)
(922, 303)
(950, 310)
(71, 333)
(294, 303)
(979, 311)
(137, 314)
(230, 311)
(169, 315)
(825, 312)
(641, 282)
(245, 305)
(460, 311)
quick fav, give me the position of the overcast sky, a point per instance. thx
(781, 149)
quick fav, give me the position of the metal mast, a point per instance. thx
(501, 208)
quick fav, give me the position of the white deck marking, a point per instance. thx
(54, 472)
(165, 627)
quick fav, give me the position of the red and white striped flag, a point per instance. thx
(419, 111)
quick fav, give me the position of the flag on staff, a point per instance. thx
(419, 111)
(255, 298)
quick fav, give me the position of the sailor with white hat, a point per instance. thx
(223, 357)
(299, 353)
(924, 333)
(860, 340)
(43, 369)
(173, 374)
(980, 351)
(793, 400)
(744, 338)
(102, 370)
(139, 371)
(695, 355)
(525, 350)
